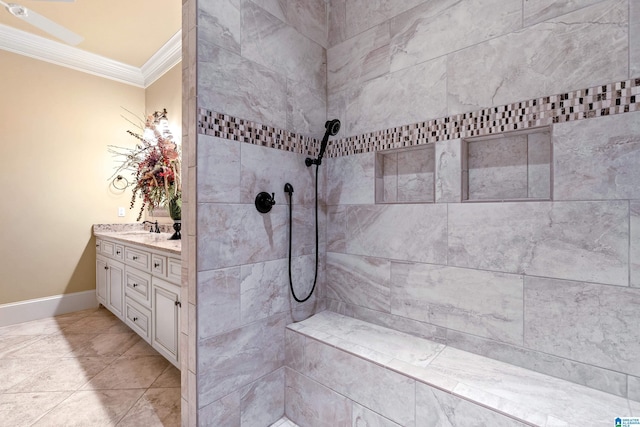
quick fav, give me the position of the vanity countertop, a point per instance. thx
(138, 236)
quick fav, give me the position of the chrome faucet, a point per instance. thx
(154, 226)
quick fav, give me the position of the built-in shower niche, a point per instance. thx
(406, 175)
(508, 166)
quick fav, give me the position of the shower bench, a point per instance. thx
(344, 372)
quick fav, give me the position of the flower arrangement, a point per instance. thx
(155, 165)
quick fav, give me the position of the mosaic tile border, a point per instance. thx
(229, 127)
(597, 101)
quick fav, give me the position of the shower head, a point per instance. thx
(332, 127)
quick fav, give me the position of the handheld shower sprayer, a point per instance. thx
(332, 128)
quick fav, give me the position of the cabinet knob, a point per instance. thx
(135, 258)
(106, 267)
(135, 284)
(117, 252)
(178, 304)
(135, 319)
(156, 264)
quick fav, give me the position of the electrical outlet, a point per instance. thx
(121, 211)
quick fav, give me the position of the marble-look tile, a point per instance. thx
(541, 10)
(24, 409)
(218, 301)
(67, 374)
(129, 372)
(364, 14)
(337, 22)
(36, 327)
(237, 86)
(633, 388)
(336, 226)
(359, 280)
(309, 17)
(232, 360)
(306, 110)
(14, 371)
(259, 173)
(498, 168)
(92, 408)
(567, 240)
(170, 378)
(11, 343)
(585, 322)
(156, 407)
(108, 345)
(309, 403)
(448, 171)
(230, 235)
(398, 323)
(416, 175)
(478, 302)
(580, 373)
(224, 412)
(275, 7)
(434, 29)
(264, 287)
(363, 417)
(438, 408)
(294, 349)
(523, 393)
(597, 159)
(383, 343)
(634, 39)
(262, 402)
(523, 65)
(51, 346)
(383, 391)
(634, 239)
(219, 23)
(387, 177)
(351, 179)
(539, 165)
(381, 103)
(337, 108)
(218, 171)
(358, 59)
(411, 232)
(270, 42)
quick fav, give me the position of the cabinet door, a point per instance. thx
(115, 288)
(166, 315)
(101, 280)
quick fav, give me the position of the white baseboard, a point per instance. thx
(34, 309)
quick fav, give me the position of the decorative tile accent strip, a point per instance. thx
(604, 100)
(235, 129)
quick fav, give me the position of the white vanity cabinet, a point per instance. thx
(140, 285)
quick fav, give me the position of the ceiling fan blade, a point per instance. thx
(45, 24)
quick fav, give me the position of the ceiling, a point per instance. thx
(127, 31)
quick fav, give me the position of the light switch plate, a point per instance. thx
(121, 211)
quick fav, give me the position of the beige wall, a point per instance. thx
(55, 126)
(166, 92)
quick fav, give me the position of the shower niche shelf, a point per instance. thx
(512, 166)
(406, 175)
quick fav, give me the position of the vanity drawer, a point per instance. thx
(158, 265)
(138, 285)
(139, 319)
(174, 270)
(119, 252)
(107, 248)
(138, 258)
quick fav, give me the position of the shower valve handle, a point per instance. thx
(264, 201)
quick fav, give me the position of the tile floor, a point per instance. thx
(84, 369)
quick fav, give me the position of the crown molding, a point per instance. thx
(27, 44)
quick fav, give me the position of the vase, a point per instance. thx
(177, 226)
(175, 212)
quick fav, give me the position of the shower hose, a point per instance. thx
(315, 277)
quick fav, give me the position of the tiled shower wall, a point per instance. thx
(552, 286)
(261, 61)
